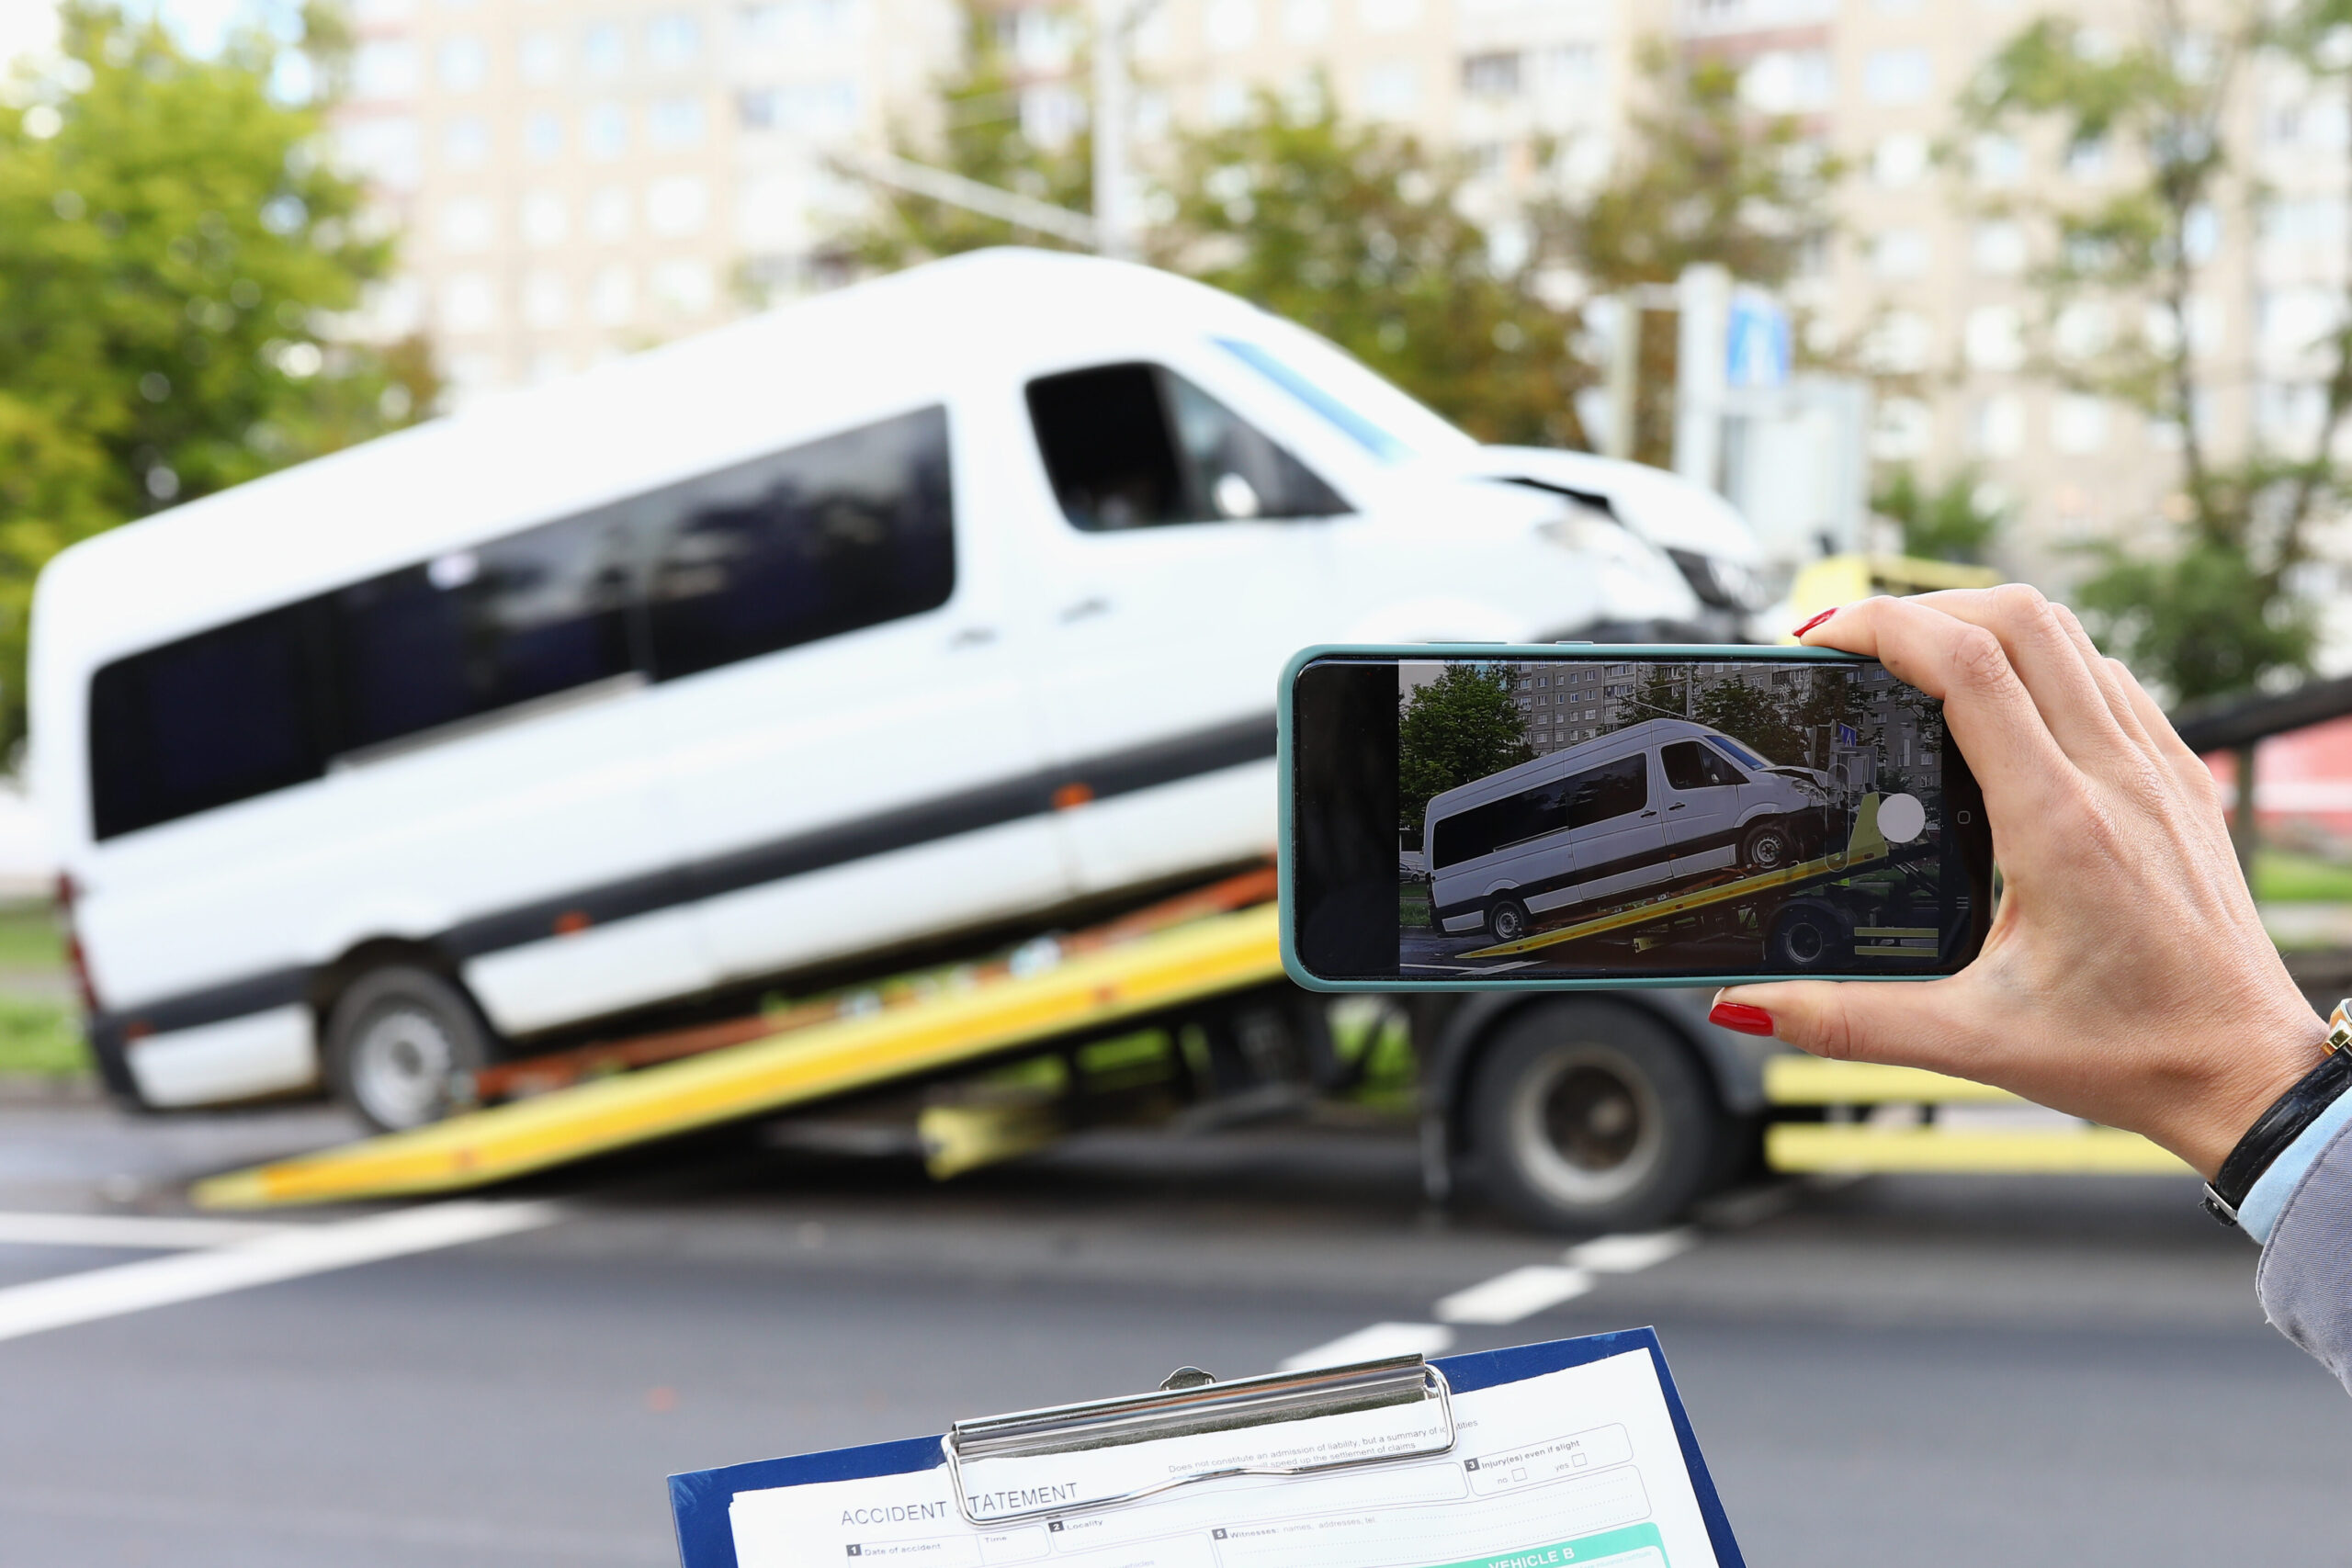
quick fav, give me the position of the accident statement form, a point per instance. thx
(1583, 1465)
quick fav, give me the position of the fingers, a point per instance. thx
(1897, 1024)
(2046, 646)
(1992, 715)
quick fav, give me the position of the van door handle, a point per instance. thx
(1092, 605)
(1679, 805)
(973, 636)
(1650, 813)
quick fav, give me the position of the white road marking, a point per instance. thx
(130, 1231)
(1373, 1343)
(1629, 1254)
(1522, 1292)
(286, 1254)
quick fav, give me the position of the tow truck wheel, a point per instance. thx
(1507, 920)
(1808, 936)
(1767, 847)
(396, 1040)
(1592, 1116)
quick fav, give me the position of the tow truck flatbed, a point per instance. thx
(967, 1026)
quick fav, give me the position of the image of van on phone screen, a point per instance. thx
(1626, 815)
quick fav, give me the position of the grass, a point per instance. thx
(1413, 905)
(40, 1039)
(29, 937)
(2282, 876)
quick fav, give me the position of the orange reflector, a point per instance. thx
(572, 922)
(1071, 794)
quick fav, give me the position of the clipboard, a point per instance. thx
(1189, 1402)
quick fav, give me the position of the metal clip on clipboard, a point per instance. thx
(1190, 1403)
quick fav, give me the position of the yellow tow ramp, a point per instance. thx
(1950, 1145)
(1221, 953)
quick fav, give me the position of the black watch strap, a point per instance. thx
(2284, 1121)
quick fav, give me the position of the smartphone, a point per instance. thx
(1471, 815)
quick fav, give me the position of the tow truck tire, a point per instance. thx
(1507, 920)
(1589, 1115)
(396, 1038)
(1808, 936)
(1768, 846)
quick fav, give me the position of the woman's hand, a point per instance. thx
(2126, 979)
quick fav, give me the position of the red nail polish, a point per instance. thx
(1818, 619)
(1741, 1017)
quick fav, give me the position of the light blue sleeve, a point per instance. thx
(2267, 1199)
(2305, 1276)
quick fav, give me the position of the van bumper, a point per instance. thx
(251, 1057)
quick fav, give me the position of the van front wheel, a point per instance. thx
(1507, 920)
(1767, 847)
(396, 1042)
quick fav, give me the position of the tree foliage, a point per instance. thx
(1950, 522)
(1460, 727)
(980, 136)
(1361, 233)
(172, 253)
(2214, 611)
(1706, 179)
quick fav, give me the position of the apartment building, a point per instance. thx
(579, 179)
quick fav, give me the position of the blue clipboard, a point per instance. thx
(700, 1499)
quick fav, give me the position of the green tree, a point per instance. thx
(172, 255)
(2215, 611)
(1360, 233)
(1460, 727)
(980, 136)
(1754, 715)
(1950, 522)
(1707, 179)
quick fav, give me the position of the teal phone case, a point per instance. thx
(1285, 729)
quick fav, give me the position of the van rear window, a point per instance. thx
(213, 718)
(1579, 800)
(821, 539)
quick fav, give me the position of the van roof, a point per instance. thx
(887, 345)
(1633, 737)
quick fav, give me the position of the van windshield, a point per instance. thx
(1376, 416)
(1741, 753)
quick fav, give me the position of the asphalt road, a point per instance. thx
(1917, 1372)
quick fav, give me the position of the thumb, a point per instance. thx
(1849, 1020)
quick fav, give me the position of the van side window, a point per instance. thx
(1138, 446)
(1689, 765)
(844, 533)
(481, 629)
(1613, 789)
(203, 721)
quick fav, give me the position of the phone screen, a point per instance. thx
(1613, 816)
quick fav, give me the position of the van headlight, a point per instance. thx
(1593, 534)
(1721, 584)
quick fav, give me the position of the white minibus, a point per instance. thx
(1639, 808)
(910, 610)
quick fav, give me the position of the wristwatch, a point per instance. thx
(2280, 1125)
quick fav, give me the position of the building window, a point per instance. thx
(1897, 75)
(540, 59)
(1306, 21)
(1388, 16)
(677, 206)
(613, 297)
(1998, 248)
(604, 51)
(608, 214)
(2079, 424)
(469, 303)
(674, 124)
(1494, 75)
(1790, 81)
(465, 143)
(468, 224)
(543, 220)
(674, 39)
(383, 70)
(605, 131)
(684, 288)
(1994, 338)
(1899, 253)
(1231, 24)
(464, 63)
(1391, 89)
